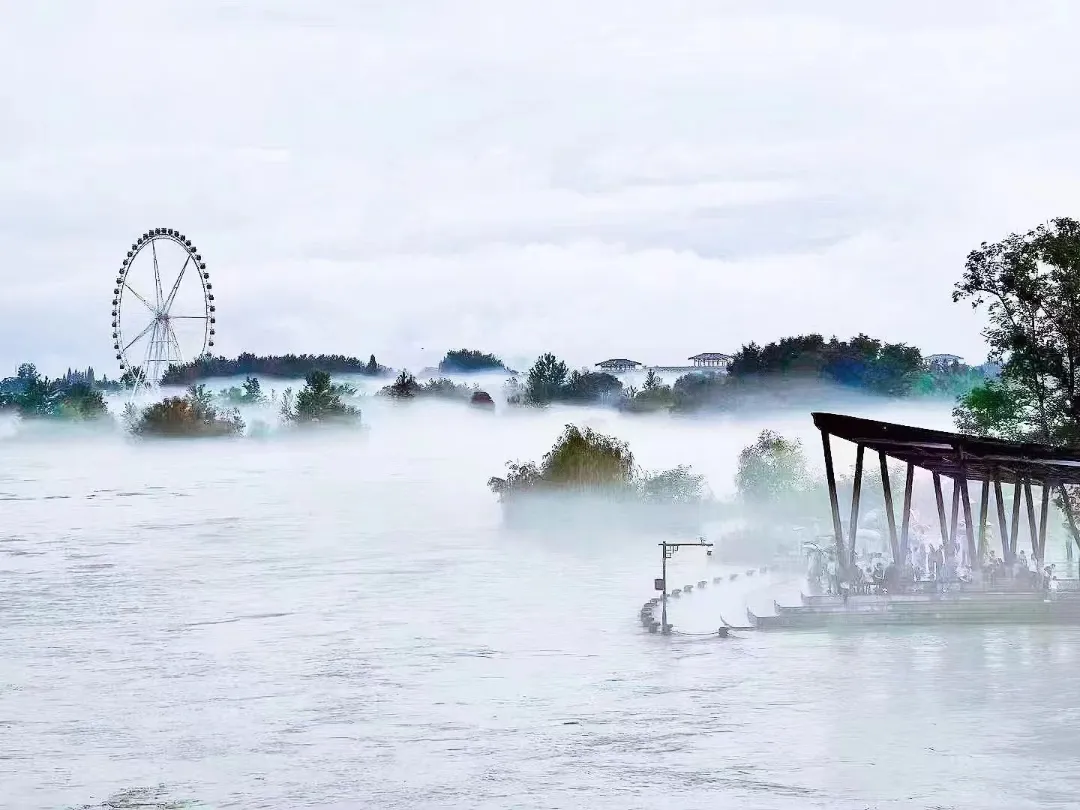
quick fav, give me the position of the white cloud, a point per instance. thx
(630, 178)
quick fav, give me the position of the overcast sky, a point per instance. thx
(602, 178)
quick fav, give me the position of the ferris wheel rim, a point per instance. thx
(159, 325)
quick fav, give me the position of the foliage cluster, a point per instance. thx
(583, 461)
(320, 401)
(34, 396)
(550, 380)
(248, 394)
(773, 482)
(863, 362)
(190, 416)
(470, 361)
(1029, 285)
(406, 386)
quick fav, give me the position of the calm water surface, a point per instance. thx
(343, 622)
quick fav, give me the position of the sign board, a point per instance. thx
(658, 584)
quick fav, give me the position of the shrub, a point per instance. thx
(584, 461)
(192, 415)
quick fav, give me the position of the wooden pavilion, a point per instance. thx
(991, 462)
(711, 360)
(618, 364)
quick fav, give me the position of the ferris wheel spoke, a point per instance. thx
(175, 344)
(149, 351)
(145, 302)
(141, 335)
(176, 285)
(188, 317)
(157, 275)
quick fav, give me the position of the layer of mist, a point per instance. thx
(345, 618)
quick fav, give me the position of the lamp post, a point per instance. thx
(669, 550)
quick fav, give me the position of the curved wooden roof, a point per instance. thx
(977, 458)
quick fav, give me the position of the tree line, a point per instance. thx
(287, 366)
(861, 364)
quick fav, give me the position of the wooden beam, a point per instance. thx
(834, 503)
(886, 486)
(969, 525)
(856, 496)
(984, 505)
(1044, 511)
(905, 524)
(940, 509)
(1032, 529)
(1003, 528)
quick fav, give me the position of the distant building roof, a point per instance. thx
(948, 358)
(711, 356)
(618, 362)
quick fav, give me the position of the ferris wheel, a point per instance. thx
(163, 310)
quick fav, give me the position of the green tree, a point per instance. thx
(585, 461)
(997, 408)
(1029, 285)
(771, 470)
(589, 387)
(654, 395)
(546, 379)
(318, 401)
(696, 391)
(404, 387)
(678, 485)
(253, 394)
(465, 361)
(81, 401)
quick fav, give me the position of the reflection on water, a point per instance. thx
(344, 623)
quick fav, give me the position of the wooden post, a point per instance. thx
(886, 486)
(973, 561)
(1032, 530)
(856, 495)
(940, 509)
(1003, 528)
(1014, 530)
(1044, 511)
(984, 504)
(905, 524)
(954, 514)
(1069, 516)
(830, 478)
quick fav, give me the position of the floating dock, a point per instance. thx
(957, 608)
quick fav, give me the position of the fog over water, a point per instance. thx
(342, 620)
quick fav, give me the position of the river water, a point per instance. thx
(343, 622)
